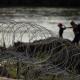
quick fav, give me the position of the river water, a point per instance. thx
(47, 17)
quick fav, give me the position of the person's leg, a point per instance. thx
(60, 34)
(77, 42)
(76, 39)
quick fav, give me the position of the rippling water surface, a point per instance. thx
(47, 17)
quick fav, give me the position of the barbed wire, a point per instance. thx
(43, 53)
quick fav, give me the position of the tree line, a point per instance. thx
(63, 3)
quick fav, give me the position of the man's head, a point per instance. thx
(60, 25)
(72, 23)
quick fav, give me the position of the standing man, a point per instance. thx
(61, 29)
(76, 32)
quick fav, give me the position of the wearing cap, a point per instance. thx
(60, 24)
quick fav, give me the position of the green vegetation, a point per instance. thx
(41, 56)
(12, 72)
(47, 62)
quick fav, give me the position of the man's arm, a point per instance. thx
(66, 27)
(69, 27)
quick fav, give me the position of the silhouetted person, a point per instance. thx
(76, 32)
(61, 29)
